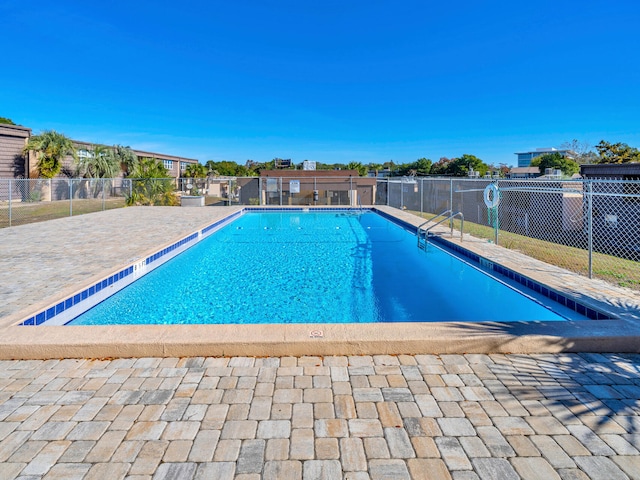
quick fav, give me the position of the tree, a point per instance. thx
(390, 165)
(402, 170)
(50, 147)
(151, 184)
(211, 168)
(422, 166)
(99, 163)
(6, 121)
(441, 166)
(150, 168)
(252, 168)
(617, 152)
(582, 150)
(376, 167)
(126, 157)
(362, 169)
(555, 161)
(195, 170)
(226, 168)
(460, 167)
(503, 168)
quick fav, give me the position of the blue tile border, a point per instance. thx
(558, 297)
(76, 299)
(306, 209)
(540, 288)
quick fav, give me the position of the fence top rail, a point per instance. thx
(511, 180)
(532, 182)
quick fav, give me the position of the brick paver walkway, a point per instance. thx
(564, 416)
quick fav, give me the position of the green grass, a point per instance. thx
(615, 270)
(25, 212)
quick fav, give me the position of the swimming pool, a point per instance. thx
(315, 267)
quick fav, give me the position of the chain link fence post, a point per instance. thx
(10, 195)
(497, 214)
(387, 181)
(590, 225)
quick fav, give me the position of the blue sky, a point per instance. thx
(331, 81)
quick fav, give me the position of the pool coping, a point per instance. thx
(328, 339)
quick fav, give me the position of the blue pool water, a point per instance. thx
(314, 267)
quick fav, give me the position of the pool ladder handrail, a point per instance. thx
(419, 232)
(423, 234)
(357, 209)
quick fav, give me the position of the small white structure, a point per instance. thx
(191, 201)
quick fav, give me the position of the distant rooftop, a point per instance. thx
(524, 158)
(525, 170)
(547, 150)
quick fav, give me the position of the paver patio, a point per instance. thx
(569, 416)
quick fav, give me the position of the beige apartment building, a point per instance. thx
(175, 165)
(13, 138)
(15, 164)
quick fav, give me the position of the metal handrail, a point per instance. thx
(442, 214)
(450, 217)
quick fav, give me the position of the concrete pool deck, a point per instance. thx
(46, 262)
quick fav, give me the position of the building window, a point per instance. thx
(168, 164)
(83, 153)
(183, 166)
(524, 159)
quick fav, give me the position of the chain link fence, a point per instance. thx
(588, 226)
(591, 227)
(35, 200)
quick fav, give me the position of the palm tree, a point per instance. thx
(151, 184)
(126, 157)
(149, 168)
(195, 170)
(362, 169)
(50, 147)
(99, 163)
